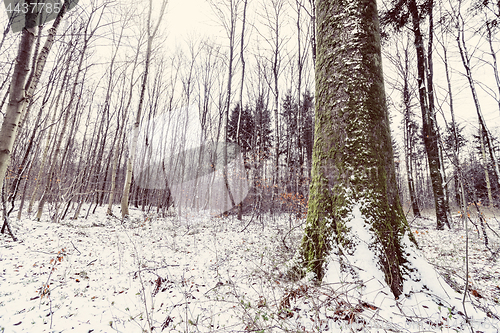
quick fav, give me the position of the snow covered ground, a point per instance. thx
(203, 274)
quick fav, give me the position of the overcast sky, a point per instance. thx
(187, 17)
(195, 18)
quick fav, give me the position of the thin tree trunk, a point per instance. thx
(300, 67)
(485, 166)
(456, 143)
(39, 64)
(430, 93)
(117, 155)
(54, 106)
(429, 126)
(54, 164)
(242, 58)
(135, 129)
(313, 30)
(409, 137)
(468, 73)
(494, 57)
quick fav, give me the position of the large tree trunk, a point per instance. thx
(353, 176)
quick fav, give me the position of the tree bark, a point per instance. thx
(117, 150)
(409, 134)
(494, 65)
(17, 94)
(67, 109)
(313, 30)
(485, 166)
(54, 106)
(242, 58)
(429, 126)
(353, 167)
(454, 128)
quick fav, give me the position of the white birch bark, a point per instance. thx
(17, 98)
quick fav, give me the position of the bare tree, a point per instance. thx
(18, 97)
(399, 15)
(227, 12)
(272, 18)
(151, 32)
(466, 62)
(87, 36)
(242, 84)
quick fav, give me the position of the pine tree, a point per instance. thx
(246, 130)
(263, 132)
(308, 126)
(290, 133)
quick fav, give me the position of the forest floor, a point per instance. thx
(203, 274)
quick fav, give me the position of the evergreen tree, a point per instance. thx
(262, 129)
(297, 135)
(246, 129)
(308, 127)
(291, 141)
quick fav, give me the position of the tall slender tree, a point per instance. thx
(466, 62)
(399, 15)
(151, 32)
(22, 87)
(273, 19)
(400, 56)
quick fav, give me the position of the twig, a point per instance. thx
(143, 289)
(79, 253)
(6, 216)
(466, 289)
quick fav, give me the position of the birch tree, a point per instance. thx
(17, 96)
(17, 93)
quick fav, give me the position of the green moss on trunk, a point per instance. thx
(352, 158)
